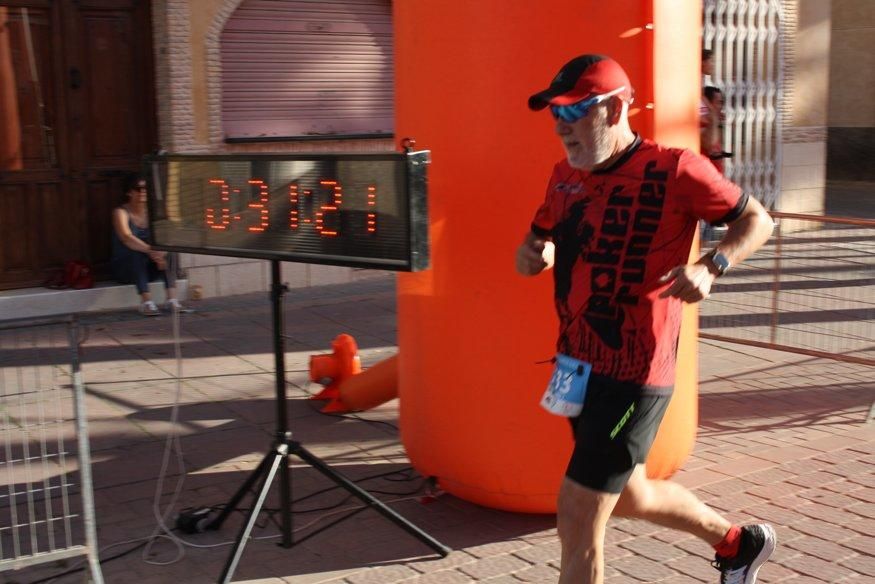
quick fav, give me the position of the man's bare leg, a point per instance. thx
(582, 517)
(670, 505)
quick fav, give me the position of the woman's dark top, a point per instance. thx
(121, 253)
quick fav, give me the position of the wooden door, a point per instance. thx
(78, 112)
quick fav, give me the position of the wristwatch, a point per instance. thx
(720, 261)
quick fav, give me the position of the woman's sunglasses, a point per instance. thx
(577, 111)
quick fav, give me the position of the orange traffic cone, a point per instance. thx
(372, 387)
(331, 370)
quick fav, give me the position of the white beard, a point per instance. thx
(597, 148)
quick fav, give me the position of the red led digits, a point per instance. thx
(262, 206)
(372, 209)
(325, 221)
(332, 207)
(295, 194)
(293, 203)
(224, 219)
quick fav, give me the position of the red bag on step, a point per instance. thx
(78, 275)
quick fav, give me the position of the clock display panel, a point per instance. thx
(361, 210)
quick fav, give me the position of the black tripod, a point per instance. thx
(278, 458)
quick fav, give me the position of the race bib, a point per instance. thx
(567, 388)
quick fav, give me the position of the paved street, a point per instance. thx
(783, 438)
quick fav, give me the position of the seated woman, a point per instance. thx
(133, 259)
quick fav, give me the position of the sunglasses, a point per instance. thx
(577, 111)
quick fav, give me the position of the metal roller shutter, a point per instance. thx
(746, 38)
(308, 68)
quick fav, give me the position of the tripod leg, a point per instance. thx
(366, 497)
(286, 500)
(241, 492)
(237, 552)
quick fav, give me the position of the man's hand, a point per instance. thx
(689, 282)
(534, 255)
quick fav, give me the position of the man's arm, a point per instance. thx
(534, 255)
(746, 234)
(692, 282)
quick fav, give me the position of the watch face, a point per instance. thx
(720, 261)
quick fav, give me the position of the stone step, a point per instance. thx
(42, 302)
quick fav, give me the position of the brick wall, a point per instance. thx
(170, 20)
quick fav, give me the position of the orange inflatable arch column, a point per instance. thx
(372, 387)
(470, 330)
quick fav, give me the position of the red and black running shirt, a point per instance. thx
(617, 231)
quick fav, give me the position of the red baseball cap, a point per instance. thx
(583, 77)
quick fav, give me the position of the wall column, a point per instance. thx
(806, 41)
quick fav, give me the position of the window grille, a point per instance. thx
(745, 36)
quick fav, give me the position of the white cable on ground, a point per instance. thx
(172, 443)
(162, 531)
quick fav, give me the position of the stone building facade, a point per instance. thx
(851, 113)
(805, 39)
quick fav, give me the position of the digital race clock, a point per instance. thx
(359, 210)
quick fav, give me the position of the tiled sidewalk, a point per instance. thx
(783, 438)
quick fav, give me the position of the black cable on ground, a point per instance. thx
(272, 511)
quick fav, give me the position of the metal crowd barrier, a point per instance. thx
(45, 461)
(809, 290)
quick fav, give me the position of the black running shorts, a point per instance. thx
(613, 433)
